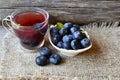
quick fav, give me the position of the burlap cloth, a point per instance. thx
(101, 62)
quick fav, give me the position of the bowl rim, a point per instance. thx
(65, 50)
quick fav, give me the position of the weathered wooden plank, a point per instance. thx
(70, 4)
(78, 11)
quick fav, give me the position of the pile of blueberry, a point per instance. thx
(69, 36)
(47, 55)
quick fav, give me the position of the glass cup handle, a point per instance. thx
(6, 25)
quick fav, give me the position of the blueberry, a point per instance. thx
(55, 59)
(31, 42)
(56, 39)
(37, 25)
(85, 42)
(75, 45)
(77, 35)
(53, 31)
(64, 31)
(60, 44)
(43, 31)
(45, 51)
(70, 36)
(67, 38)
(41, 60)
(35, 43)
(68, 25)
(66, 46)
(73, 29)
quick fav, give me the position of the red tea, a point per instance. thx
(29, 18)
(32, 29)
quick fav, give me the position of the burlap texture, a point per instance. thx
(102, 61)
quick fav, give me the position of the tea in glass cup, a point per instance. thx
(30, 25)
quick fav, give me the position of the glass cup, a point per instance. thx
(30, 25)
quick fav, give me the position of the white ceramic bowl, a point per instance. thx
(69, 52)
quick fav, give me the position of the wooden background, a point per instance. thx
(77, 11)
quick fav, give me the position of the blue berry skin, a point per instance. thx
(32, 42)
(85, 42)
(37, 25)
(55, 59)
(53, 31)
(68, 25)
(75, 45)
(73, 29)
(67, 46)
(77, 35)
(45, 51)
(41, 60)
(70, 37)
(64, 31)
(56, 39)
(67, 38)
(60, 44)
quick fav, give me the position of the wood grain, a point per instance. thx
(76, 11)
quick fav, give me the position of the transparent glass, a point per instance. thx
(30, 25)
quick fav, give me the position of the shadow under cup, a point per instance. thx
(30, 26)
